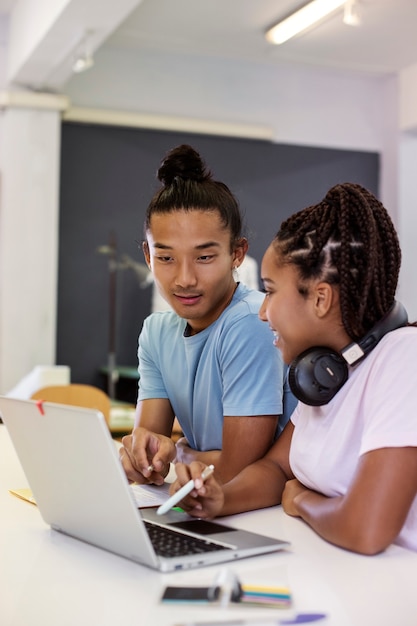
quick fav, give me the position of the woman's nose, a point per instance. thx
(262, 311)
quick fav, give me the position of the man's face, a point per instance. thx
(189, 253)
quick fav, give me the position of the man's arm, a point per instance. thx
(155, 415)
(245, 440)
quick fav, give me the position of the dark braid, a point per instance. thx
(349, 240)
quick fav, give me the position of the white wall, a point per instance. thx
(408, 222)
(29, 165)
(302, 105)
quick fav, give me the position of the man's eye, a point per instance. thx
(206, 257)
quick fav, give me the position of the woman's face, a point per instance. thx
(290, 314)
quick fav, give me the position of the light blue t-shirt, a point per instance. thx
(229, 368)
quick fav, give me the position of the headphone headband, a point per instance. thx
(317, 374)
(395, 318)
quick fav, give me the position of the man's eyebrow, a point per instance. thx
(208, 244)
(161, 246)
(201, 246)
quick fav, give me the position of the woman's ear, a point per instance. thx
(325, 297)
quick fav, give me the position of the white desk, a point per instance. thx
(48, 579)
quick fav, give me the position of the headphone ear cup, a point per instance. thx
(316, 375)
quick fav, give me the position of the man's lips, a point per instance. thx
(187, 298)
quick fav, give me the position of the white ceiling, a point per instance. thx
(6, 5)
(385, 42)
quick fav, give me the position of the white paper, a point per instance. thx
(150, 495)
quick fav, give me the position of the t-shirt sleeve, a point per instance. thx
(151, 384)
(390, 405)
(252, 369)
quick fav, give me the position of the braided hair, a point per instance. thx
(188, 185)
(349, 240)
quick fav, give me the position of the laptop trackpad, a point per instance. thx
(202, 527)
(183, 521)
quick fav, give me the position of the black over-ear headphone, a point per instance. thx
(317, 374)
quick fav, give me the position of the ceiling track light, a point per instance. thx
(352, 13)
(297, 22)
(82, 63)
(83, 58)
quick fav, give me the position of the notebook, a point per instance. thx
(73, 469)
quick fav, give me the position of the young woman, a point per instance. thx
(199, 362)
(348, 465)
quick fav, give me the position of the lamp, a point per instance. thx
(145, 278)
(302, 19)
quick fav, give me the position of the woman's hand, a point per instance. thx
(207, 499)
(293, 491)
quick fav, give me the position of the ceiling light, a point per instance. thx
(352, 15)
(302, 19)
(83, 58)
(82, 63)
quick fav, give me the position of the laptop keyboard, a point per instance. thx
(171, 543)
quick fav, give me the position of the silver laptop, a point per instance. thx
(72, 467)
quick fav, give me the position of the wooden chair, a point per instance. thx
(85, 396)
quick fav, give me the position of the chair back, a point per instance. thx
(86, 396)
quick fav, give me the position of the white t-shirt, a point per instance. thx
(376, 408)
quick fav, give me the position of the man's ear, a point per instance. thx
(146, 254)
(325, 297)
(240, 251)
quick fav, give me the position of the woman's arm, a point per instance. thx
(258, 485)
(368, 518)
(245, 440)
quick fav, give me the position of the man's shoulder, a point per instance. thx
(246, 301)
(159, 321)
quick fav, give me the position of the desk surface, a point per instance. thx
(48, 579)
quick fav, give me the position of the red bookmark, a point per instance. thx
(39, 404)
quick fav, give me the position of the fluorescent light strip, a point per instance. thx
(300, 20)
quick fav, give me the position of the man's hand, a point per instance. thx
(146, 456)
(206, 500)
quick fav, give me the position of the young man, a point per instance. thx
(210, 361)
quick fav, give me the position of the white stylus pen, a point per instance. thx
(184, 491)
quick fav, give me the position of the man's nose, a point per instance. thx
(186, 275)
